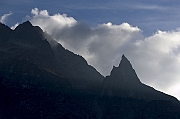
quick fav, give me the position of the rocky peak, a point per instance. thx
(29, 32)
(26, 25)
(123, 81)
(124, 72)
(125, 62)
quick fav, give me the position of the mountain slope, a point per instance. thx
(41, 81)
(75, 68)
(28, 42)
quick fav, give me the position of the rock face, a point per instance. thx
(41, 79)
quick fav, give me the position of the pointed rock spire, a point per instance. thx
(124, 62)
(124, 82)
(124, 72)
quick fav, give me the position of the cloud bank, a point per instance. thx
(102, 45)
(155, 58)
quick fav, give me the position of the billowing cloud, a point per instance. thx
(4, 17)
(102, 46)
(155, 58)
(51, 23)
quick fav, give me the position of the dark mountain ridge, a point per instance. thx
(28, 42)
(41, 79)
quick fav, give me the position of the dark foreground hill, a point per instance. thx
(41, 79)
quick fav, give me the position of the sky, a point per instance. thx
(147, 32)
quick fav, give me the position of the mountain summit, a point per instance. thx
(124, 72)
(123, 81)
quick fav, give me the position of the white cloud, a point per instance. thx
(4, 17)
(155, 58)
(149, 7)
(35, 11)
(174, 90)
(51, 23)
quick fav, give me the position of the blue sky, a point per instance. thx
(147, 15)
(147, 32)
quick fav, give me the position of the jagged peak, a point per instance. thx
(124, 61)
(26, 25)
(123, 56)
(27, 33)
(124, 71)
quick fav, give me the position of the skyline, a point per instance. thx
(146, 32)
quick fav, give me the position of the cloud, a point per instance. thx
(146, 6)
(51, 23)
(119, 5)
(155, 58)
(4, 17)
(91, 42)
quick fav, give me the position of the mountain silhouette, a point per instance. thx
(39, 78)
(123, 81)
(27, 42)
(124, 96)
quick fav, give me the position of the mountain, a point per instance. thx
(124, 96)
(28, 42)
(123, 81)
(39, 78)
